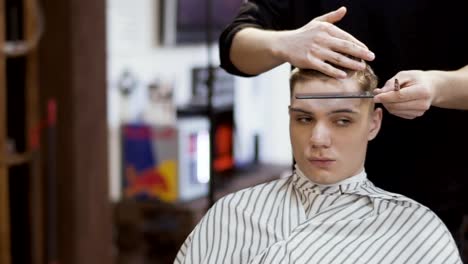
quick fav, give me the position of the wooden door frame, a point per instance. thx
(5, 251)
(72, 69)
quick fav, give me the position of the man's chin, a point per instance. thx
(324, 176)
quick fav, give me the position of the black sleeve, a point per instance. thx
(265, 14)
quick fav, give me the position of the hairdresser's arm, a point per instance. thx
(312, 46)
(422, 89)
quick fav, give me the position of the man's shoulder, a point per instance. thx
(418, 227)
(401, 200)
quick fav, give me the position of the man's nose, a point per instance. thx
(320, 136)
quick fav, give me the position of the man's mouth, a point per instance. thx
(322, 162)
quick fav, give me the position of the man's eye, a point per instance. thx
(303, 119)
(343, 122)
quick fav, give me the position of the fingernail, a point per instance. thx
(371, 55)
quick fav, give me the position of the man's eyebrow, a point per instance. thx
(295, 109)
(344, 110)
(336, 111)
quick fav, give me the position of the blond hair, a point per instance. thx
(366, 79)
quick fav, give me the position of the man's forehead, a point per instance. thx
(327, 85)
(329, 105)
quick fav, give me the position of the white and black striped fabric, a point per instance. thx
(293, 220)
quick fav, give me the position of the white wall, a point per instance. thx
(260, 103)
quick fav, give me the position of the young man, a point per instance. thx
(327, 211)
(421, 43)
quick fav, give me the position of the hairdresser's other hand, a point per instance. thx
(415, 97)
(320, 45)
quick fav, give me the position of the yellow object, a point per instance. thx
(168, 171)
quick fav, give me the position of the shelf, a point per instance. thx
(15, 159)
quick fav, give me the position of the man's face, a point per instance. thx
(329, 136)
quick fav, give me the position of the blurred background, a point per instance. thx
(113, 146)
(108, 132)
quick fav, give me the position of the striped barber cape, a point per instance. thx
(293, 220)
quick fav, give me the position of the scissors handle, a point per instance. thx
(397, 85)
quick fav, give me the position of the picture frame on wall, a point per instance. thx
(184, 22)
(223, 88)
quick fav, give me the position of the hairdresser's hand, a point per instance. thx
(417, 93)
(319, 44)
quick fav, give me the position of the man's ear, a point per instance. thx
(375, 122)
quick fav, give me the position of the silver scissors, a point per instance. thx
(341, 95)
(333, 95)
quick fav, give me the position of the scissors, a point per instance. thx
(341, 95)
(397, 85)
